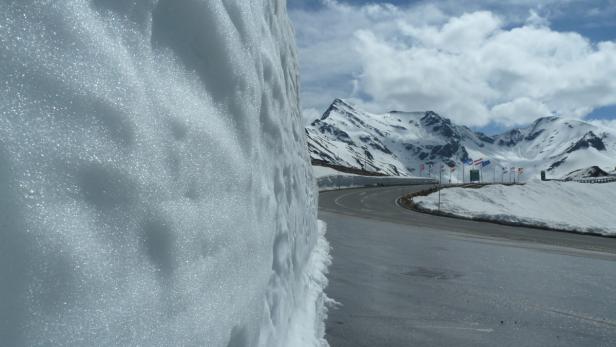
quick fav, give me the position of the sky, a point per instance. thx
(488, 64)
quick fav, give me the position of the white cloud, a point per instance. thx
(607, 123)
(521, 110)
(310, 114)
(474, 67)
(535, 19)
(326, 43)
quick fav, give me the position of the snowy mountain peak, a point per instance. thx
(399, 142)
(341, 106)
(440, 125)
(545, 120)
(431, 118)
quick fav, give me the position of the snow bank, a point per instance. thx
(154, 185)
(321, 171)
(559, 205)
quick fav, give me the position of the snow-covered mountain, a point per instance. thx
(400, 143)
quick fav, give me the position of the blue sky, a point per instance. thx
(489, 64)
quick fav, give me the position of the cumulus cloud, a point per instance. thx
(310, 114)
(328, 58)
(477, 68)
(605, 123)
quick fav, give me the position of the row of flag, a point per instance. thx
(477, 163)
(519, 170)
(483, 163)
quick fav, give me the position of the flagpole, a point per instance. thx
(440, 183)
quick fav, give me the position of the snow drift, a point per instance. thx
(154, 186)
(566, 206)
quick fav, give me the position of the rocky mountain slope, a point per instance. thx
(418, 143)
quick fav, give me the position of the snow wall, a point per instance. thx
(154, 185)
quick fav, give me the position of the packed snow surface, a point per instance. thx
(321, 171)
(559, 205)
(154, 184)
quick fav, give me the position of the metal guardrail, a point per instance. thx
(605, 179)
(333, 182)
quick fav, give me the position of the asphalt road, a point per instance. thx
(410, 279)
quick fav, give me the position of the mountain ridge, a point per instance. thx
(399, 142)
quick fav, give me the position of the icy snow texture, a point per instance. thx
(321, 171)
(560, 205)
(154, 185)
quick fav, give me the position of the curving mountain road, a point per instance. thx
(409, 279)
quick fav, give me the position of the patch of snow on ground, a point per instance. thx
(155, 189)
(559, 205)
(321, 171)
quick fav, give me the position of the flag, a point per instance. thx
(452, 169)
(485, 163)
(512, 168)
(478, 161)
(520, 170)
(468, 161)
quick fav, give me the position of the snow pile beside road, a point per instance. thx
(154, 184)
(559, 205)
(322, 171)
